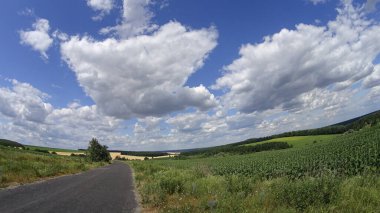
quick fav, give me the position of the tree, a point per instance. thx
(97, 152)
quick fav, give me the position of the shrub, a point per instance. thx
(120, 158)
(42, 150)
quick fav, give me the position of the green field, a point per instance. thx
(300, 141)
(335, 174)
(50, 149)
(24, 166)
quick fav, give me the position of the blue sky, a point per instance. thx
(151, 74)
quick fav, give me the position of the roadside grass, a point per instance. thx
(25, 166)
(299, 141)
(341, 175)
(164, 189)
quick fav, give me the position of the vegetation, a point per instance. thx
(340, 128)
(24, 166)
(244, 149)
(5, 142)
(42, 150)
(144, 154)
(50, 149)
(97, 152)
(120, 158)
(331, 176)
(299, 141)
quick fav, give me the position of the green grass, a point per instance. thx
(50, 149)
(299, 141)
(337, 175)
(25, 166)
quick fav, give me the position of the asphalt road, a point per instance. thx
(106, 189)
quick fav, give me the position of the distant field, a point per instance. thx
(300, 141)
(51, 149)
(25, 166)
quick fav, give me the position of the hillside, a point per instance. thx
(5, 142)
(338, 128)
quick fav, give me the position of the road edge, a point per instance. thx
(135, 191)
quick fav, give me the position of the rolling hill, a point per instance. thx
(5, 142)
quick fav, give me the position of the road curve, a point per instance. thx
(106, 189)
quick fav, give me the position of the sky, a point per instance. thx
(173, 74)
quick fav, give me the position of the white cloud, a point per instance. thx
(373, 79)
(136, 19)
(38, 37)
(293, 62)
(370, 5)
(26, 116)
(319, 99)
(24, 102)
(104, 7)
(315, 2)
(143, 75)
(60, 36)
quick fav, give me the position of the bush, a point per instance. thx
(120, 158)
(42, 150)
(97, 152)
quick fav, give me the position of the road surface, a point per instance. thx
(106, 189)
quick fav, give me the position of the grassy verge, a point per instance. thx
(337, 176)
(25, 166)
(194, 190)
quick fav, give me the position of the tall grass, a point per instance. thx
(24, 166)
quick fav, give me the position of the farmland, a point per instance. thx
(338, 173)
(299, 141)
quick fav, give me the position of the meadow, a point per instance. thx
(30, 147)
(19, 166)
(299, 141)
(337, 173)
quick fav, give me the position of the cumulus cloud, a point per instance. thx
(293, 62)
(373, 79)
(38, 37)
(26, 116)
(143, 75)
(104, 7)
(24, 102)
(136, 20)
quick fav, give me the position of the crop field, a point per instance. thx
(25, 166)
(334, 174)
(300, 141)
